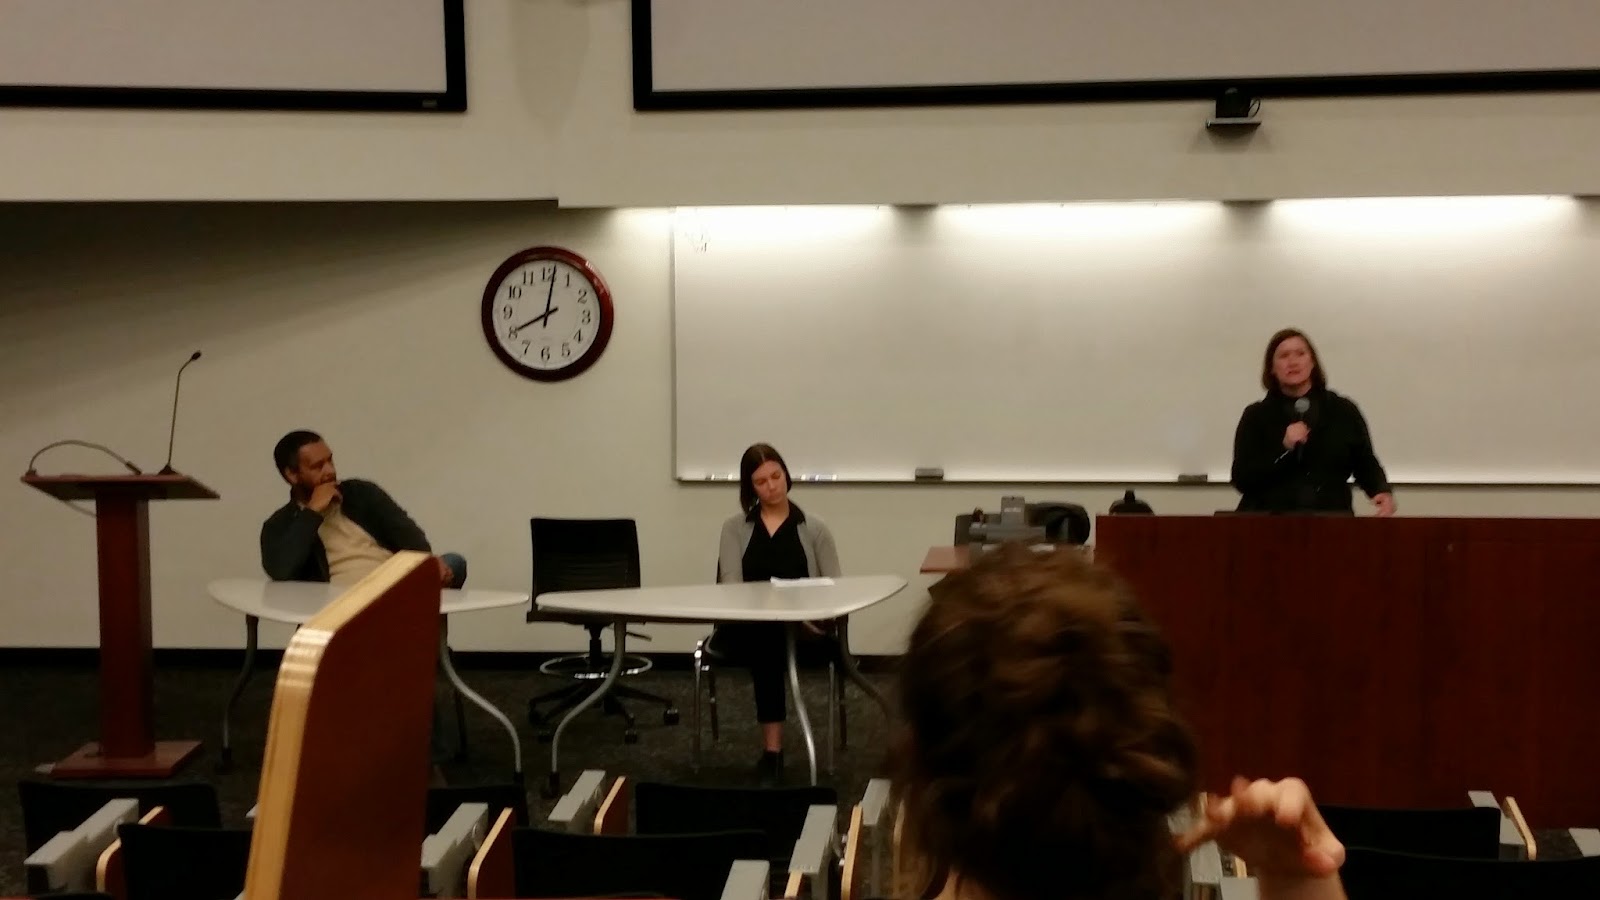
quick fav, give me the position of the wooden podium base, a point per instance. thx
(167, 758)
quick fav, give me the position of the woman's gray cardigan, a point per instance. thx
(822, 557)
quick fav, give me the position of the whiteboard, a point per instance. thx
(1120, 342)
(227, 52)
(1149, 47)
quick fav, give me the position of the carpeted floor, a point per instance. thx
(48, 711)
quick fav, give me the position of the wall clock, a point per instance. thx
(547, 314)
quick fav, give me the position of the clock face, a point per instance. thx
(547, 313)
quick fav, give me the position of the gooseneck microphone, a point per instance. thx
(172, 430)
(74, 442)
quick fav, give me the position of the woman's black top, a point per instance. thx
(1315, 476)
(778, 555)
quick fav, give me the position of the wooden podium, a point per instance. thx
(1391, 662)
(127, 747)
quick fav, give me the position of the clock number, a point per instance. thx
(583, 296)
(569, 280)
(506, 312)
(527, 276)
(548, 274)
(525, 346)
(566, 350)
(544, 353)
(578, 335)
(588, 315)
(513, 292)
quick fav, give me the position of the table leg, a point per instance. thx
(252, 626)
(800, 703)
(477, 700)
(619, 637)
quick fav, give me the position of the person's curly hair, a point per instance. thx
(1039, 754)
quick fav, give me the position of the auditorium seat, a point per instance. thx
(1467, 832)
(443, 802)
(166, 862)
(51, 806)
(799, 823)
(67, 860)
(1381, 875)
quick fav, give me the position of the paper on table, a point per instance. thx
(801, 582)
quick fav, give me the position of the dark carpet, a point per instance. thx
(49, 711)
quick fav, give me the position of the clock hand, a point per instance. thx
(542, 317)
(548, 297)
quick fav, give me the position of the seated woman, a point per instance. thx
(769, 538)
(1039, 754)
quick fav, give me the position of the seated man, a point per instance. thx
(339, 531)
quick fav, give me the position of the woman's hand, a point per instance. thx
(1385, 504)
(1274, 826)
(1295, 435)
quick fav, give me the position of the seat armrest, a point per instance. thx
(446, 854)
(67, 862)
(747, 880)
(813, 854)
(576, 809)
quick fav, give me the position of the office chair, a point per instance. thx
(1130, 505)
(1063, 523)
(584, 555)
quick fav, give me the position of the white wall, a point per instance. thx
(350, 318)
(357, 319)
(551, 116)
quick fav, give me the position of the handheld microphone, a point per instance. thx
(172, 430)
(1301, 407)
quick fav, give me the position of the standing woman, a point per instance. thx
(1296, 449)
(769, 538)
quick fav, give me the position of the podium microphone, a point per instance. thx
(172, 430)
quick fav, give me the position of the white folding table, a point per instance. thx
(792, 603)
(295, 602)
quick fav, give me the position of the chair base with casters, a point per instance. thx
(706, 657)
(588, 671)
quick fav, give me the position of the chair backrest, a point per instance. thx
(1468, 832)
(1130, 505)
(1370, 874)
(1062, 522)
(584, 555)
(49, 807)
(345, 776)
(680, 866)
(444, 801)
(160, 862)
(778, 813)
(963, 535)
